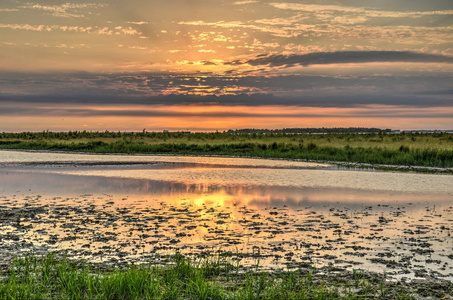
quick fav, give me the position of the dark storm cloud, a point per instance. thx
(40, 103)
(321, 58)
(112, 86)
(444, 92)
(427, 90)
(28, 109)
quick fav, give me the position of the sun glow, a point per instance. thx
(68, 67)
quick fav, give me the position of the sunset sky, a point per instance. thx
(205, 65)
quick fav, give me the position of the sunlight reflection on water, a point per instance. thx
(398, 222)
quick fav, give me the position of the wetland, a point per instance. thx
(268, 215)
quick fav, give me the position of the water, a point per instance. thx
(282, 214)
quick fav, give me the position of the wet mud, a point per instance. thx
(99, 229)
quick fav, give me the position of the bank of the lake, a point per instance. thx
(421, 152)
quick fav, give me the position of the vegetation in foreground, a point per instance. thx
(48, 277)
(405, 149)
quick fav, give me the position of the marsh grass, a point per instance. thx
(51, 277)
(406, 149)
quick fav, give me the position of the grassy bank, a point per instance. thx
(407, 149)
(34, 277)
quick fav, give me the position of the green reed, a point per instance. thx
(411, 149)
(52, 277)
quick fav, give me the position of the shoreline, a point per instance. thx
(334, 165)
(415, 152)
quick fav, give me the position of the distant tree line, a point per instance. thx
(314, 130)
(70, 135)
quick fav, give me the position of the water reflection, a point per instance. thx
(105, 214)
(50, 185)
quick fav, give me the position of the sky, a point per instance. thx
(204, 65)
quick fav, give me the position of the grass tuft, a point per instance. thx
(52, 277)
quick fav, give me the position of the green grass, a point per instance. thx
(49, 277)
(405, 149)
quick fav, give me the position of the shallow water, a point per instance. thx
(117, 209)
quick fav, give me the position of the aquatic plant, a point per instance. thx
(52, 277)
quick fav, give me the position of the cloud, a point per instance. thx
(224, 111)
(320, 9)
(26, 27)
(423, 90)
(269, 28)
(245, 2)
(209, 63)
(442, 92)
(126, 30)
(138, 23)
(118, 30)
(347, 57)
(63, 10)
(252, 100)
(334, 22)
